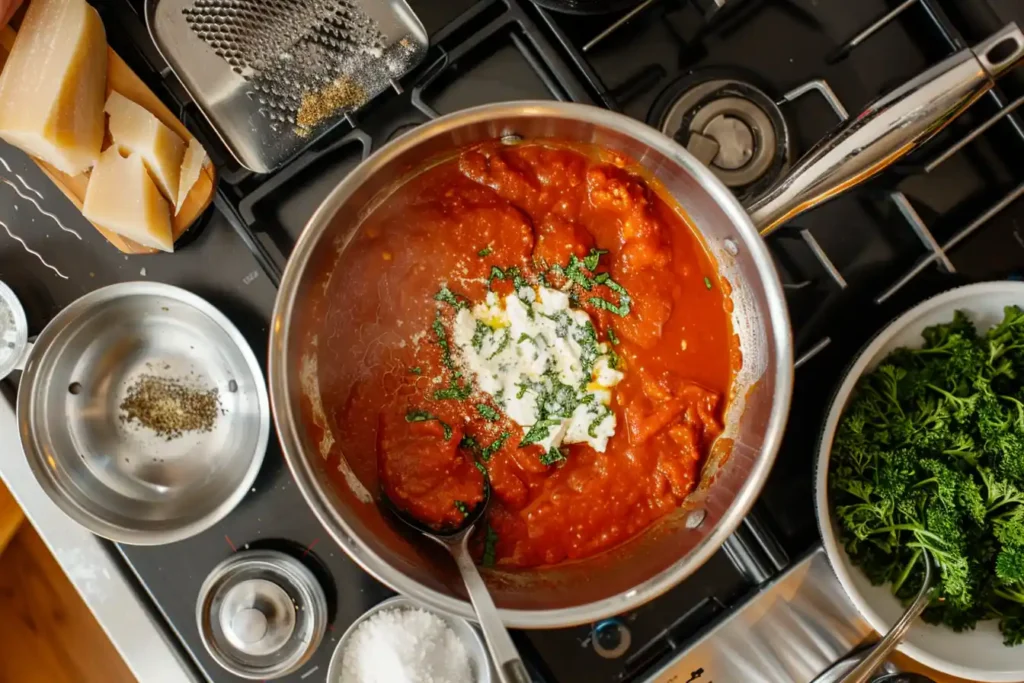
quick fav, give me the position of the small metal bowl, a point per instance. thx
(478, 659)
(113, 476)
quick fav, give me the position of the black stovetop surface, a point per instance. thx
(490, 51)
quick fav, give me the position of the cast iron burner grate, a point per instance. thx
(846, 267)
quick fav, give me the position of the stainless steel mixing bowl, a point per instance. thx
(113, 476)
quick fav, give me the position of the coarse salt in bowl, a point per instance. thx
(401, 641)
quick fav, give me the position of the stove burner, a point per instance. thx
(732, 127)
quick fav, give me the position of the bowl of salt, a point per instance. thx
(401, 641)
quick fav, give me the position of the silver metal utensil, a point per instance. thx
(121, 479)
(889, 128)
(273, 75)
(903, 677)
(590, 589)
(881, 651)
(503, 651)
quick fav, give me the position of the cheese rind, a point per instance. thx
(137, 131)
(191, 167)
(53, 84)
(121, 197)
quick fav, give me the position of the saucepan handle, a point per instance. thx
(889, 128)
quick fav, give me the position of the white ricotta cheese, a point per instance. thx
(541, 362)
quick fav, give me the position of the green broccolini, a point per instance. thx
(929, 457)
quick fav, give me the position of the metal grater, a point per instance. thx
(273, 75)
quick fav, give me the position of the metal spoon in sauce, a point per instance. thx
(503, 651)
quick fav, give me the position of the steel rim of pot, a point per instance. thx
(889, 128)
(288, 428)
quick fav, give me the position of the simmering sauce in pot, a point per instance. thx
(414, 416)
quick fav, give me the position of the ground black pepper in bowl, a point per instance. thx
(170, 407)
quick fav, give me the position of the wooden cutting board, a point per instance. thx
(124, 81)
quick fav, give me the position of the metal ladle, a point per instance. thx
(869, 663)
(503, 651)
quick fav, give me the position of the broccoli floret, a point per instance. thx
(928, 459)
(1008, 454)
(1012, 628)
(971, 501)
(937, 336)
(1010, 565)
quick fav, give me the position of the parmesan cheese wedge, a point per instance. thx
(191, 167)
(52, 87)
(121, 197)
(136, 131)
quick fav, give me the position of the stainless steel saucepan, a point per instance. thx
(671, 550)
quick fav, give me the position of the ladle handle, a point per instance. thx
(889, 128)
(881, 651)
(503, 651)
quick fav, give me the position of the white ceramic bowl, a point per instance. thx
(977, 655)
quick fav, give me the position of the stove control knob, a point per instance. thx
(610, 638)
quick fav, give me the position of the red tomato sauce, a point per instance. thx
(530, 206)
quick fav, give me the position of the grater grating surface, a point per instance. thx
(299, 66)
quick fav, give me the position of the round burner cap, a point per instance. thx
(13, 330)
(261, 614)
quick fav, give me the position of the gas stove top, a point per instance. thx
(779, 74)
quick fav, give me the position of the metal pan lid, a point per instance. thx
(13, 331)
(261, 614)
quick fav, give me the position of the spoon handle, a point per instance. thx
(503, 650)
(863, 671)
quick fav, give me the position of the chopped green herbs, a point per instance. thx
(511, 273)
(518, 281)
(612, 337)
(484, 453)
(495, 446)
(591, 260)
(490, 546)
(455, 391)
(487, 412)
(417, 415)
(486, 251)
(462, 507)
(707, 282)
(480, 466)
(420, 415)
(538, 431)
(552, 456)
(479, 332)
(442, 341)
(622, 310)
(506, 338)
(447, 296)
(603, 412)
(416, 370)
(575, 273)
